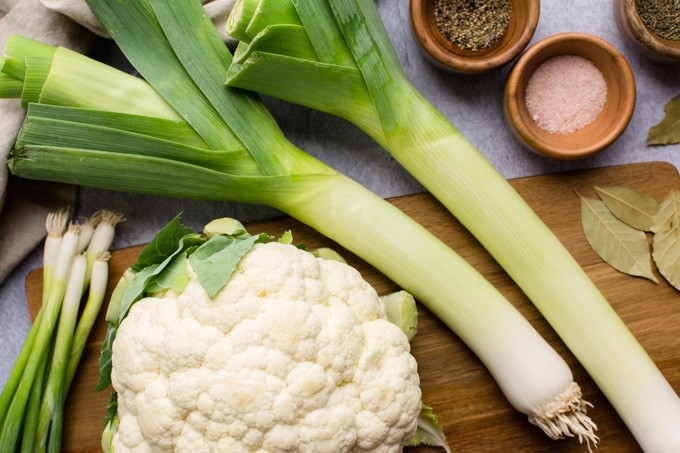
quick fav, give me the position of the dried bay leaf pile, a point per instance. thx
(620, 224)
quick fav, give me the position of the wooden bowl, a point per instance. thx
(602, 131)
(444, 54)
(631, 26)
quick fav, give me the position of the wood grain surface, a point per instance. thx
(471, 408)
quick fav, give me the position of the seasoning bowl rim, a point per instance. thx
(560, 146)
(630, 25)
(446, 55)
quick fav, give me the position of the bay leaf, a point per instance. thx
(668, 130)
(623, 247)
(631, 206)
(666, 240)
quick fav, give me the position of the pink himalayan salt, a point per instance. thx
(565, 94)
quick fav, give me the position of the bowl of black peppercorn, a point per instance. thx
(653, 26)
(473, 36)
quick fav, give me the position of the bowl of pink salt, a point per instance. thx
(569, 96)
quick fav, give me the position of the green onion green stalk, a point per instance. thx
(207, 141)
(32, 402)
(354, 73)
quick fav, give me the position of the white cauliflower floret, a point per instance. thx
(293, 354)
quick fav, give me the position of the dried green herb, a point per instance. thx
(666, 240)
(631, 206)
(661, 17)
(620, 245)
(668, 130)
(472, 24)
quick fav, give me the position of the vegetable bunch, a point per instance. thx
(75, 264)
(180, 132)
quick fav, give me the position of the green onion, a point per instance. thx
(181, 56)
(32, 402)
(52, 406)
(56, 226)
(98, 280)
(397, 117)
(14, 413)
(31, 418)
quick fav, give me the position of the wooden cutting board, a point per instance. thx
(475, 415)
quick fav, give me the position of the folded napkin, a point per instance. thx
(217, 10)
(24, 204)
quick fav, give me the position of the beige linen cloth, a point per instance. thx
(24, 204)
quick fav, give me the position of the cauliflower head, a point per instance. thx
(295, 353)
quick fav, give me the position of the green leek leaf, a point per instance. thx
(324, 33)
(134, 22)
(206, 59)
(37, 70)
(270, 12)
(339, 90)
(282, 39)
(67, 134)
(240, 16)
(166, 129)
(13, 68)
(78, 81)
(10, 87)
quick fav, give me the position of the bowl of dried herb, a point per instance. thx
(652, 25)
(476, 36)
(569, 96)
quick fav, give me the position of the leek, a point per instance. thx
(385, 105)
(173, 41)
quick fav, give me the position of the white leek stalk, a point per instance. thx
(371, 90)
(175, 59)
